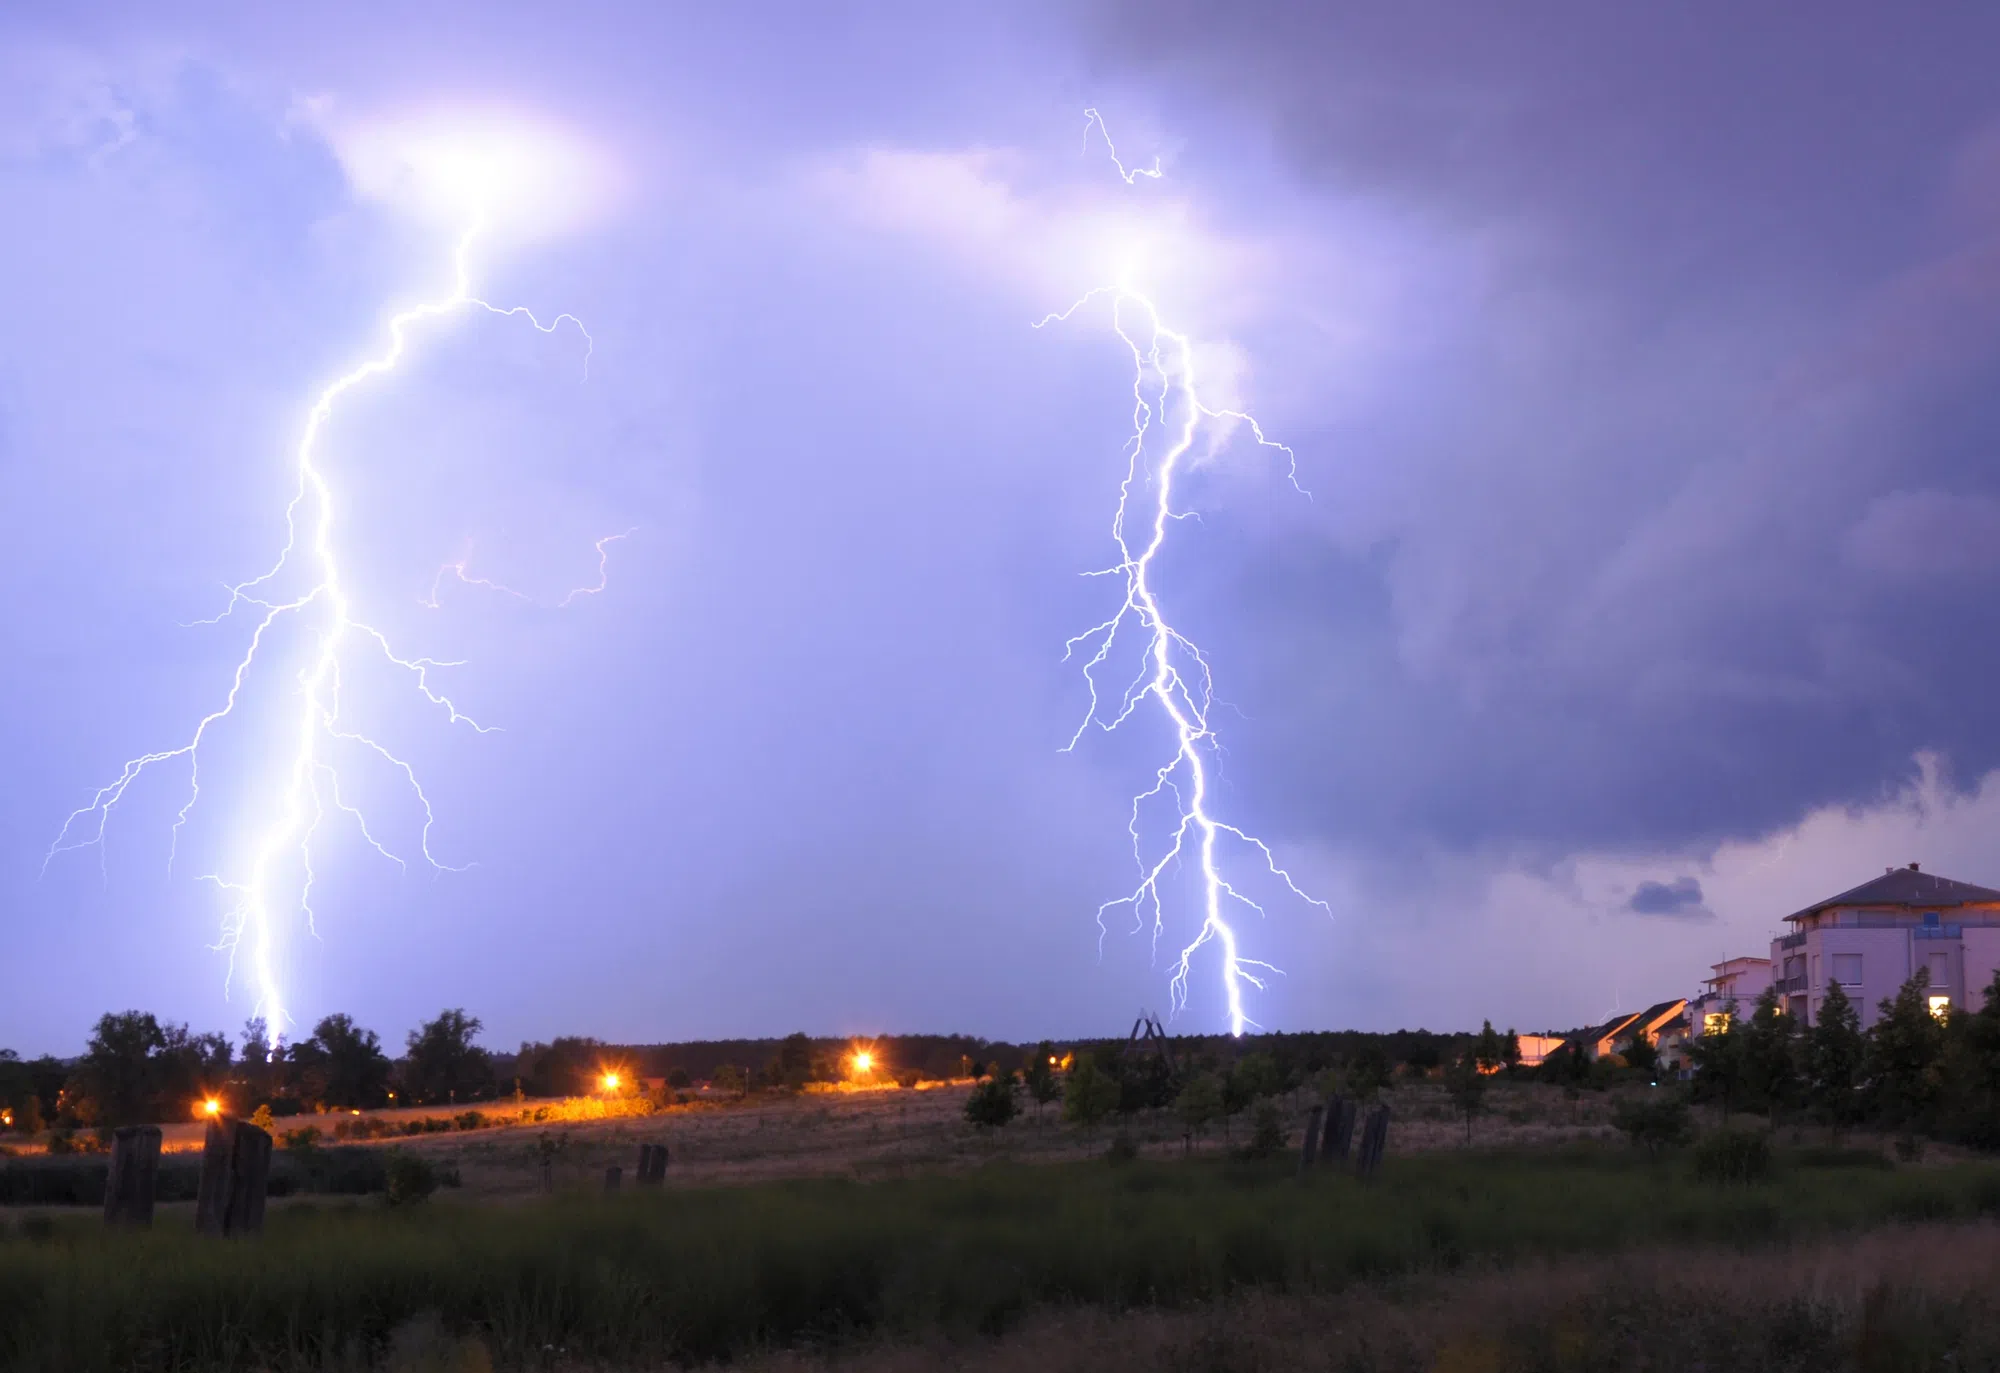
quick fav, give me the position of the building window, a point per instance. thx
(1940, 1006)
(1940, 970)
(1815, 970)
(1715, 1023)
(1847, 969)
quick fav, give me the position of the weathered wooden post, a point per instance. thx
(1339, 1131)
(1374, 1138)
(613, 1176)
(1309, 1148)
(134, 1176)
(652, 1165)
(235, 1175)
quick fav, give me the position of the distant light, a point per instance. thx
(611, 1082)
(863, 1061)
(211, 1107)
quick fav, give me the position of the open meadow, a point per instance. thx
(877, 1229)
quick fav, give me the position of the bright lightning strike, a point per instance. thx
(276, 877)
(1169, 417)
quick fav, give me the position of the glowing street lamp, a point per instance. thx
(211, 1108)
(609, 1082)
(864, 1062)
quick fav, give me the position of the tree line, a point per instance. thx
(137, 1069)
(1915, 1071)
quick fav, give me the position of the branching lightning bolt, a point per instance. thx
(308, 782)
(1174, 674)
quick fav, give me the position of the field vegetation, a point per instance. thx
(643, 1278)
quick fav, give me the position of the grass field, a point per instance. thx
(697, 1274)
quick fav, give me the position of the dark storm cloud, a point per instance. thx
(1682, 524)
(1680, 897)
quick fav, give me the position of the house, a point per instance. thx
(1535, 1049)
(1877, 936)
(1619, 1031)
(1730, 989)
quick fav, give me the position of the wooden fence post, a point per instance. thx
(235, 1176)
(1309, 1149)
(652, 1165)
(1339, 1131)
(134, 1175)
(1374, 1139)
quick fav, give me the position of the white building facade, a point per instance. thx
(1874, 938)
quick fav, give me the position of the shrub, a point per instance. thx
(412, 1178)
(1655, 1122)
(1124, 1149)
(1267, 1131)
(992, 1103)
(263, 1119)
(1733, 1156)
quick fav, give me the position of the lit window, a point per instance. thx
(1940, 1006)
(1715, 1023)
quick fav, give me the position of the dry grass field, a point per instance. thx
(893, 1132)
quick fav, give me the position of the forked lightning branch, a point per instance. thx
(269, 886)
(1173, 821)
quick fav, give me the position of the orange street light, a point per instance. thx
(864, 1061)
(610, 1082)
(211, 1107)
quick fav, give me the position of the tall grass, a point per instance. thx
(691, 1275)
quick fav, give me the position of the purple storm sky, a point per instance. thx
(1642, 368)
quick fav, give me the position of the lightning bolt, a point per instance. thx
(306, 780)
(459, 570)
(1168, 418)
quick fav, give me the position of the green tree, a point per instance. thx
(442, 1063)
(1770, 1057)
(1199, 1103)
(1977, 1061)
(342, 1065)
(564, 1067)
(1368, 1073)
(1466, 1086)
(1834, 1055)
(730, 1078)
(1904, 1057)
(1510, 1050)
(1718, 1064)
(992, 1103)
(1041, 1079)
(1090, 1094)
(116, 1083)
(794, 1065)
(1488, 1054)
(1252, 1078)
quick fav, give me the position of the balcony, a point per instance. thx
(1790, 984)
(1793, 941)
(1938, 931)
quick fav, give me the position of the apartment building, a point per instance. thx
(1875, 937)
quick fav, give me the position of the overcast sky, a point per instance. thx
(1641, 371)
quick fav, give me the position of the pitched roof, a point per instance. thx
(1905, 887)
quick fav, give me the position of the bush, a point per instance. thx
(1654, 1122)
(992, 1103)
(1124, 1149)
(1733, 1156)
(411, 1179)
(1267, 1131)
